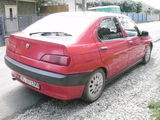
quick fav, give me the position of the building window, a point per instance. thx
(11, 14)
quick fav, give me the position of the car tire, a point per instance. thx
(94, 86)
(147, 55)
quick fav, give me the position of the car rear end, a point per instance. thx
(42, 66)
(41, 60)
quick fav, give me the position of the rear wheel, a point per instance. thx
(147, 55)
(94, 86)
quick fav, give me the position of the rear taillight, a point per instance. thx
(56, 59)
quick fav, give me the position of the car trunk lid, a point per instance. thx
(33, 47)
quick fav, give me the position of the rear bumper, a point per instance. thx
(59, 92)
(52, 84)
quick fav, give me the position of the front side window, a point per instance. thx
(129, 27)
(109, 29)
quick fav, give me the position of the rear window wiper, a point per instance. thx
(51, 33)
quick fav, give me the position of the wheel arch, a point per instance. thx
(151, 45)
(86, 96)
(104, 70)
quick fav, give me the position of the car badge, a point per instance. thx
(27, 45)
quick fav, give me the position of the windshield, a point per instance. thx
(70, 26)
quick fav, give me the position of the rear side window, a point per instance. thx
(109, 29)
(129, 27)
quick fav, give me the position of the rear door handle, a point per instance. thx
(104, 48)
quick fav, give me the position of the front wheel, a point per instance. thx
(94, 86)
(147, 55)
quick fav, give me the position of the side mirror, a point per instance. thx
(144, 33)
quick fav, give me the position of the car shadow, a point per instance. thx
(19, 99)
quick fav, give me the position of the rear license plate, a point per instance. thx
(29, 82)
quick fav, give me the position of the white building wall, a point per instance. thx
(71, 4)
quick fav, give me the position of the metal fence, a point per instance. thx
(24, 21)
(8, 26)
(2, 31)
(137, 17)
(143, 17)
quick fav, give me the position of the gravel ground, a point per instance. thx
(124, 99)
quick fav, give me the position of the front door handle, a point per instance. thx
(131, 42)
(104, 48)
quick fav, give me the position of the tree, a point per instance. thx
(40, 3)
(130, 6)
(139, 7)
(83, 5)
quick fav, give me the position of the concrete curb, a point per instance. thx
(157, 40)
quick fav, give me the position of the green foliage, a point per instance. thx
(139, 7)
(95, 4)
(155, 107)
(40, 2)
(157, 11)
(130, 6)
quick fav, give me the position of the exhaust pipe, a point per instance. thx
(13, 78)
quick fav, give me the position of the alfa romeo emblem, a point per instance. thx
(27, 45)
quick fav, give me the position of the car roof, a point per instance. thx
(73, 23)
(86, 14)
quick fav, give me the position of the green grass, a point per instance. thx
(155, 107)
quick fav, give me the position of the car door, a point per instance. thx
(112, 46)
(135, 43)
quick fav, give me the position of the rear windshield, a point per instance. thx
(68, 25)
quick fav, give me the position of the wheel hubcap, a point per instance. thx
(95, 84)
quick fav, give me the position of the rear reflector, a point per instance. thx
(56, 59)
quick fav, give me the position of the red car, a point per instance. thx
(73, 54)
